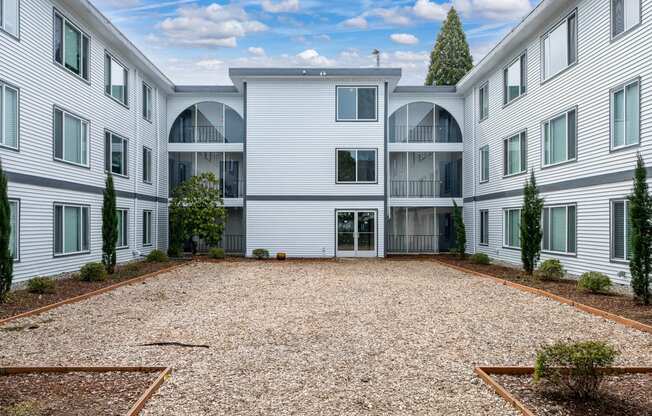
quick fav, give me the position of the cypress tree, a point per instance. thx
(109, 226)
(640, 214)
(6, 258)
(450, 59)
(531, 233)
(460, 231)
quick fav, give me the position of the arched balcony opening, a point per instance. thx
(208, 122)
(423, 122)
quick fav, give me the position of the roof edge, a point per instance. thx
(220, 89)
(315, 72)
(436, 89)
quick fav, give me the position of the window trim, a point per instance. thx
(108, 168)
(545, 79)
(355, 120)
(523, 55)
(18, 209)
(560, 253)
(88, 137)
(504, 243)
(148, 150)
(480, 242)
(484, 86)
(83, 34)
(613, 259)
(112, 59)
(151, 97)
(523, 165)
(3, 86)
(125, 213)
(356, 149)
(623, 86)
(622, 34)
(482, 149)
(54, 234)
(543, 138)
(2, 25)
(151, 228)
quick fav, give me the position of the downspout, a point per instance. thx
(475, 190)
(244, 159)
(387, 215)
(135, 251)
(158, 166)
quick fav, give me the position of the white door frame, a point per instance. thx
(356, 252)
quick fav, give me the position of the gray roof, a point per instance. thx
(215, 89)
(433, 89)
(314, 72)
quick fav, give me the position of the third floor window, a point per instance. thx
(116, 80)
(357, 103)
(9, 16)
(625, 14)
(560, 46)
(515, 79)
(71, 47)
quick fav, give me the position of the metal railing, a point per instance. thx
(416, 244)
(425, 134)
(232, 189)
(231, 243)
(413, 189)
(202, 134)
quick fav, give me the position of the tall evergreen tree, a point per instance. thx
(640, 214)
(460, 231)
(450, 59)
(6, 257)
(531, 233)
(109, 226)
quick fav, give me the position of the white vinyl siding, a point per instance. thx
(483, 102)
(484, 227)
(147, 102)
(625, 14)
(71, 47)
(70, 138)
(620, 230)
(512, 227)
(559, 224)
(625, 115)
(9, 16)
(357, 103)
(147, 228)
(123, 228)
(147, 165)
(515, 154)
(560, 138)
(8, 116)
(356, 166)
(14, 235)
(515, 79)
(71, 229)
(116, 80)
(560, 46)
(116, 157)
(484, 163)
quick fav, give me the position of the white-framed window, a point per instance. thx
(116, 154)
(625, 114)
(147, 165)
(512, 227)
(116, 80)
(356, 165)
(560, 138)
(14, 235)
(559, 229)
(515, 79)
(483, 101)
(9, 16)
(9, 98)
(147, 102)
(71, 47)
(71, 229)
(357, 103)
(123, 228)
(515, 154)
(625, 15)
(70, 138)
(621, 230)
(147, 228)
(484, 163)
(559, 46)
(484, 227)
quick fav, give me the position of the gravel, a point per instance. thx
(314, 337)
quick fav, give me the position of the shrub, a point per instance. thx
(575, 367)
(41, 285)
(595, 282)
(174, 251)
(260, 253)
(216, 253)
(92, 272)
(281, 256)
(157, 256)
(480, 258)
(550, 269)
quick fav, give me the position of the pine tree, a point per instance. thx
(640, 214)
(109, 226)
(450, 59)
(6, 258)
(460, 231)
(531, 233)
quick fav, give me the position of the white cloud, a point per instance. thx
(394, 16)
(256, 51)
(313, 58)
(488, 9)
(356, 22)
(430, 10)
(210, 64)
(283, 6)
(404, 38)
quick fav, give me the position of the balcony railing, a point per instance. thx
(231, 243)
(232, 189)
(424, 134)
(202, 134)
(413, 189)
(397, 243)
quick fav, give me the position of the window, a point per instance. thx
(515, 154)
(71, 229)
(116, 78)
(560, 138)
(621, 229)
(514, 79)
(483, 103)
(147, 228)
(484, 163)
(8, 116)
(559, 229)
(484, 227)
(356, 103)
(356, 166)
(70, 138)
(71, 47)
(560, 46)
(147, 102)
(512, 228)
(625, 14)
(123, 227)
(14, 235)
(115, 154)
(625, 115)
(9, 16)
(147, 165)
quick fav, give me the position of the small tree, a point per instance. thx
(177, 235)
(6, 257)
(198, 205)
(450, 59)
(640, 214)
(109, 226)
(531, 234)
(460, 231)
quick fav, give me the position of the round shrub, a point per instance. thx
(260, 253)
(92, 272)
(480, 258)
(157, 256)
(216, 253)
(595, 282)
(41, 285)
(281, 256)
(550, 269)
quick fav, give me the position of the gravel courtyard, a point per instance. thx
(349, 337)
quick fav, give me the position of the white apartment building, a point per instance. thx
(323, 162)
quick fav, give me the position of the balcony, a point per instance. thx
(233, 238)
(423, 122)
(420, 230)
(208, 122)
(425, 175)
(227, 167)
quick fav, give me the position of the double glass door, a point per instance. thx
(356, 233)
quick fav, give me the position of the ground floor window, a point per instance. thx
(620, 230)
(123, 228)
(512, 228)
(559, 231)
(71, 229)
(484, 227)
(147, 228)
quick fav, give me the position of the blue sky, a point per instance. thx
(196, 41)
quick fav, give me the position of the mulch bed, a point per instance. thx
(615, 303)
(22, 301)
(72, 394)
(622, 395)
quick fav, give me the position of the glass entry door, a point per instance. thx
(356, 233)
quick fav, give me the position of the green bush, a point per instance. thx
(92, 272)
(281, 256)
(41, 285)
(157, 256)
(480, 258)
(260, 253)
(550, 269)
(575, 367)
(595, 282)
(216, 253)
(174, 251)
